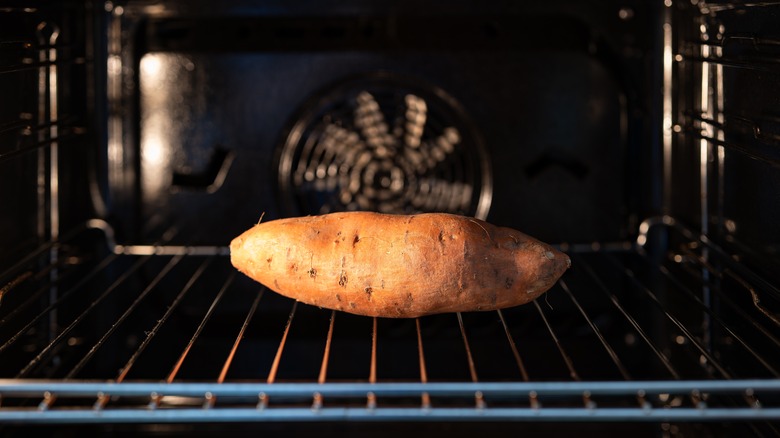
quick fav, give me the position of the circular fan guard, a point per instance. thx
(384, 144)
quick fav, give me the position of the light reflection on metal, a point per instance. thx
(667, 128)
(114, 85)
(47, 92)
(705, 152)
(721, 149)
(151, 65)
(707, 131)
(155, 150)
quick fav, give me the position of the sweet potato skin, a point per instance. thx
(397, 266)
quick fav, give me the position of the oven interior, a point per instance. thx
(137, 138)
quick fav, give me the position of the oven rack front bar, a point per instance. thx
(515, 401)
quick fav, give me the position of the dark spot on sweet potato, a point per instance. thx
(352, 304)
(355, 240)
(269, 260)
(343, 279)
(276, 284)
(338, 297)
(508, 283)
(294, 267)
(313, 273)
(382, 283)
(441, 237)
(369, 290)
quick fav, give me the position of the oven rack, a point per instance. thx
(662, 366)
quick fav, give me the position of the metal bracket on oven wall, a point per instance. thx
(211, 178)
(649, 223)
(154, 249)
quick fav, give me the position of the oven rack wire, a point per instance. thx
(35, 61)
(709, 385)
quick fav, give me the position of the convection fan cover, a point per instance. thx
(387, 144)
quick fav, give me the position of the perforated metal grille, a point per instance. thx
(379, 143)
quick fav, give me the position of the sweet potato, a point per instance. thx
(396, 265)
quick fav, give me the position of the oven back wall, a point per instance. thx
(546, 121)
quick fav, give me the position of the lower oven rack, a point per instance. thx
(700, 346)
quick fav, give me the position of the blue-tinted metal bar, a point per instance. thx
(142, 415)
(36, 387)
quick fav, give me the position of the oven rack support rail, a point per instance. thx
(248, 402)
